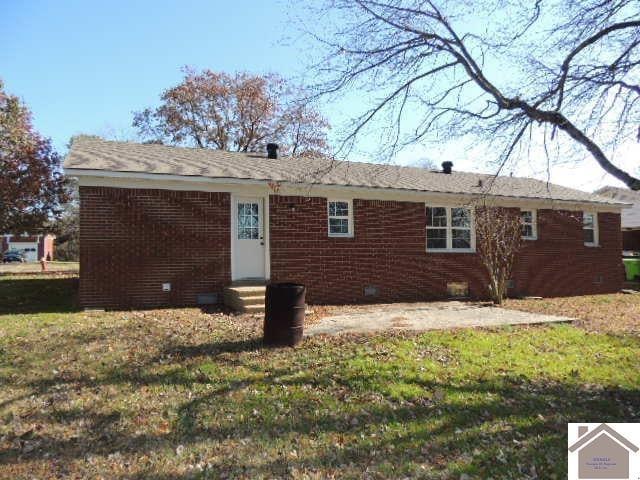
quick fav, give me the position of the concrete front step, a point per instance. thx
(253, 309)
(258, 300)
(248, 290)
(245, 297)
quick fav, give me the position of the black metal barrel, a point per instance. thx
(284, 314)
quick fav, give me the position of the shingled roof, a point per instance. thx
(98, 155)
(630, 216)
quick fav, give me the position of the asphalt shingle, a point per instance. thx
(630, 216)
(94, 153)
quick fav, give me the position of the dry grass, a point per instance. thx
(613, 313)
(178, 393)
(35, 268)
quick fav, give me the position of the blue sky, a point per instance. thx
(84, 67)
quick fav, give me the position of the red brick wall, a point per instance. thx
(23, 238)
(559, 264)
(631, 240)
(388, 251)
(49, 247)
(45, 247)
(133, 240)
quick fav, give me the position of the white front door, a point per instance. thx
(248, 238)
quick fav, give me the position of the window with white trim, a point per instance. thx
(590, 228)
(529, 224)
(450, 229)
(340, 214)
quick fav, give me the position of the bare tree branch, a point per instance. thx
(582, 46)
(580, 64)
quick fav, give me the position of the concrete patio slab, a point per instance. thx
(425, 316)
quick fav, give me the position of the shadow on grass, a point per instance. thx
(38, 295)
(213, 349)
(481, 436)
(503, 427)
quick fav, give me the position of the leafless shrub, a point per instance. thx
(498, 241)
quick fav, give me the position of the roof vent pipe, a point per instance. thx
(272, 150)
(446, 167)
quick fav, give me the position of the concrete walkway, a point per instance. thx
(424, 316)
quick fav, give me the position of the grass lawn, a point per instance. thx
(183, 394)
(28, 268)
(613, 313)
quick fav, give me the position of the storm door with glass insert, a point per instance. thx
(248, 239)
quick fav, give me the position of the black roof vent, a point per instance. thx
(272, 150)
(446, 167)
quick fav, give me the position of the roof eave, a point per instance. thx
(84, 172)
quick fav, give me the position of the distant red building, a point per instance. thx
(34, 247)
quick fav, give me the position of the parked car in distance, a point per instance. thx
(10, 257)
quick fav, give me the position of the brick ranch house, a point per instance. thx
(33, 247)
(630, 216)
(167, 226)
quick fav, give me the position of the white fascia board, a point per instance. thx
(168, 182)
(105, 178)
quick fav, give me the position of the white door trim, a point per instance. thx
(267, 241)
(265, 228)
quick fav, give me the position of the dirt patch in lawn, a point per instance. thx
(613, 313)
(423, 316)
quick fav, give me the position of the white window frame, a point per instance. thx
(348, 217)
(596, 236)
(450, 227)
(534, 223)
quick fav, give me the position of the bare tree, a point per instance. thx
(302, 131)
(240, 112)
(517, 73)
(498, 241)
(426, 163)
